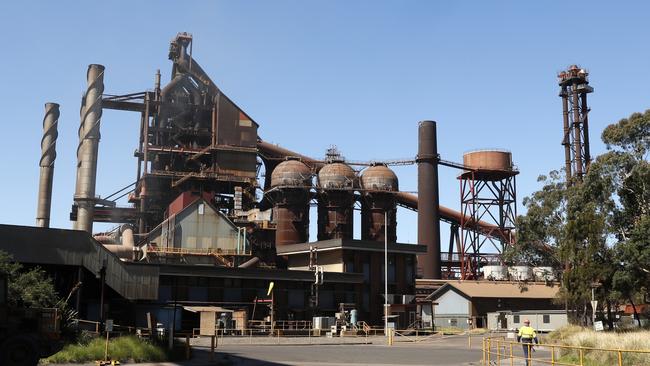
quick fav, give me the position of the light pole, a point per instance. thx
(385, 273)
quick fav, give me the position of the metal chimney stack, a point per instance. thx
(428, 200)
(48, 155)
(91, 114)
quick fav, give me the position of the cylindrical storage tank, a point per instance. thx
(336, 182)
(291, 182)
(520, 273)
(378, 183)
(498, 160)
(495, 272)
(544, 274)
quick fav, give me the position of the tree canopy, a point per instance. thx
(595, 231)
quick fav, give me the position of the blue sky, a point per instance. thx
(357, 74)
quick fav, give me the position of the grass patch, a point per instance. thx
(127, 348)
(585, 337)
(477, 331)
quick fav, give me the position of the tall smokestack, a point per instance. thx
(91, 114)
(48, 155)
(428, 200)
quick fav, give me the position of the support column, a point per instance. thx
(91, 114)
(48, 155)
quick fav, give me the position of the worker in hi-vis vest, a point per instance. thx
(527, 336)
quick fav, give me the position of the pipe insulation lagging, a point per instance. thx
(46, 164)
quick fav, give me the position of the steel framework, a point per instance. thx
(574, 87)
(489, 197)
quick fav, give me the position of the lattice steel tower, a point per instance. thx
(574, 87)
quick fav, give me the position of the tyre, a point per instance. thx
(19, 351)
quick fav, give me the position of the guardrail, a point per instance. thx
(499, 351)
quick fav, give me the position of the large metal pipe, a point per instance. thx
(48, 155)
(91, 114)
(428, 200)
(566, 142)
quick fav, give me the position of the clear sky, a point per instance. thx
(357, 74)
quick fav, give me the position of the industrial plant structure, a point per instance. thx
(200, 228)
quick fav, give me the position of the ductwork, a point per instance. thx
(251, 263)
(48, 155)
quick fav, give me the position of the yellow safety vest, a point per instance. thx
(527, 332)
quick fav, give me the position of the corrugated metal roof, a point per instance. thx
(27, 244)
(497, 289)
(201, 309)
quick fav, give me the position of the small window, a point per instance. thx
(201, 208)
(515, 319)
(546, 318)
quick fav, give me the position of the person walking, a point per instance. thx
(527, 336)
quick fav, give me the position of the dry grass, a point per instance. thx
(585, 337)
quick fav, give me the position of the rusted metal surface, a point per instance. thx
(428, 200)
(292, 181)
(291, 173)
(91, 114)
(574, 87)
(48, 156)
(379, 184)
(488, 160)
(336, 201)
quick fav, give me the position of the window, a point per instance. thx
(546, 318)
(515, 319)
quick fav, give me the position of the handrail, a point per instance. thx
(492, 348)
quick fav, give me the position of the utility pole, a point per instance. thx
(386, 273)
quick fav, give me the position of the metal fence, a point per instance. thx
(500, 351)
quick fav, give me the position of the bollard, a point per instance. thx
(188, 349)
(489, 346)
(469, 341)
(581, 357)
(211, 348)
(620, 358)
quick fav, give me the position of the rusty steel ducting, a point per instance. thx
(291, 182)
(336, 182)
(91, 114)
(379, 184)
(48, 156)
(121, 243)
(428, 200)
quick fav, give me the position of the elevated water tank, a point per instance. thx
(499, 160)
(495, 272)
(520, 273)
